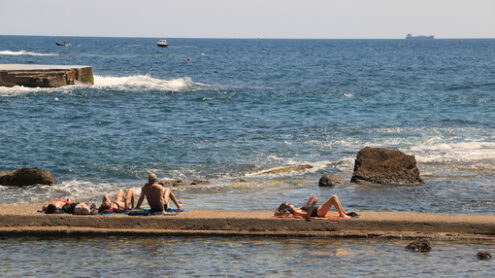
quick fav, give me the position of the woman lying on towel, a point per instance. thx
(55, 206)
(310, 210)
(122, 202)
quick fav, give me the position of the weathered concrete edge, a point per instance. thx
(98, 232)
(444, 228)
(44, 75)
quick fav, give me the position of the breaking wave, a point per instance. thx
(24, 52)
(148, 83)
(142, 83)
(454, 152)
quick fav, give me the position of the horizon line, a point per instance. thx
(253, 38)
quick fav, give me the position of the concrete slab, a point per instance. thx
(24, 220)
(30, 75)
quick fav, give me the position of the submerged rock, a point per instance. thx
(27, 176)
(179, 182)
(483, 255)
(422, 245)
(328, 180)
(239, 180)
(196, 182)
(287, 169)
(383, 166)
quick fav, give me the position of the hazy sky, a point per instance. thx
(249, 18)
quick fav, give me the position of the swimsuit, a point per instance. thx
(314, 213)
(165, 207)
(117, 204)
(65, 201)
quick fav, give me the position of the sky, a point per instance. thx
(328, 19)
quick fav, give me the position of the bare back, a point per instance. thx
(154, 195)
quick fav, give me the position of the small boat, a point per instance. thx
(420, 37)
(62, 44)
(162, 43)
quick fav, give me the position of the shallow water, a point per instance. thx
(237, 257)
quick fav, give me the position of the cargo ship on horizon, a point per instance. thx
(420, 37)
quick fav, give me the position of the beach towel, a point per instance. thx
(148, 212)
(302, 217)
(136, 212)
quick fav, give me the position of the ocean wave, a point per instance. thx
(291, 168)
(24, 52)
(148, 83)
(443, 152)
(77, 190)
(142, 83)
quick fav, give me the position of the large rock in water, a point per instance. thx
(27, 176)
(379, 165)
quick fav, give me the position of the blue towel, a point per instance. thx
(171, 211)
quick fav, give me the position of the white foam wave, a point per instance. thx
(147, 83)
(78, 190)
(24, 52)
(21, 90)
(315, 166)
(126, 83)
(444, 152)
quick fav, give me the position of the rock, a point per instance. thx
(239, 180)
(422, 245)
(328, 180)
(27, 176)
(180, 182)
(483, 255)
(287, 169)
(177, 182)
(196, 182)
(383, 166)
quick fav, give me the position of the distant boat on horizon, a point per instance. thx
(420, 37)
(162, 43)
(62, 44)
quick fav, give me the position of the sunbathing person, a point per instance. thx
(157, 197)
(56, 205)
(310, 210)
(121, 204)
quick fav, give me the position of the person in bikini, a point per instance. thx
(310, 210)
(122, 202)
(157, 197)
(56, 205)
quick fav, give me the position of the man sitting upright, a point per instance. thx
(157, 197)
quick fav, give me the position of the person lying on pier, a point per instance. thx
(310, 210)
(122, 202)
(157, 197)
(55, 206)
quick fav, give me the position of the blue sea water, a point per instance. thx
(241, 107)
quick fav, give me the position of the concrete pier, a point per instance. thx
(18, 220)
(45, 76)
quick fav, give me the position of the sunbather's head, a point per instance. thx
(105, 205)
(152, 178)
(285, 209)
(51, 208)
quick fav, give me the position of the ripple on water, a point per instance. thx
(237, 256)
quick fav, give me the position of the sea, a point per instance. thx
(231, 110)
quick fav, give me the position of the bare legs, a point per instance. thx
(129, 198)
(168, 194)
(327, 205)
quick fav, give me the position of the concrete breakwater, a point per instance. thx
(24, 220)
(45, 76)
